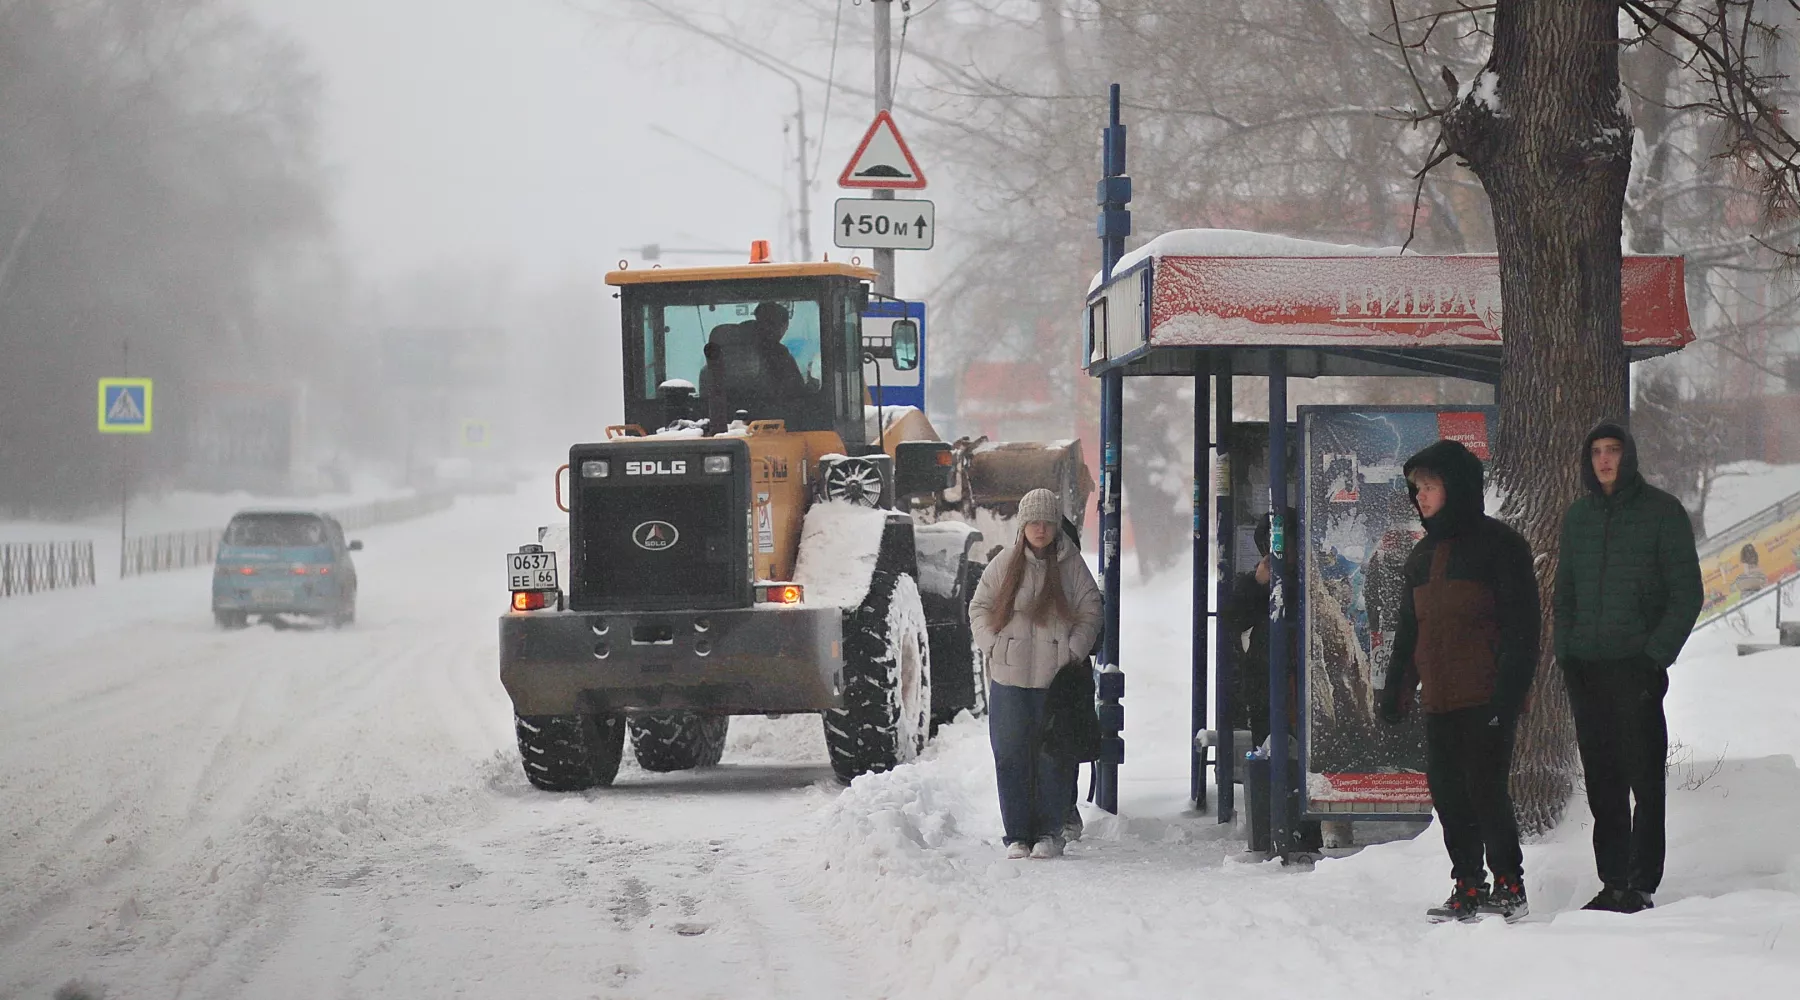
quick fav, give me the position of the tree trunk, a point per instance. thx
(1545, 130)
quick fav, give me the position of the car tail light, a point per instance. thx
(247, 570)
(780, 593)
(530, 600)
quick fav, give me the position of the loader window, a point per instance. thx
(752, 343)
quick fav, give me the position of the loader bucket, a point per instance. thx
(997, 476)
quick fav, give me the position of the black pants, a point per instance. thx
(1624, 740)
(1467, 765)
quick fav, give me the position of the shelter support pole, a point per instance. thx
(1281, 599)
(1109, 688)
(1202, 652)
(1113, 194)
(1225, 767)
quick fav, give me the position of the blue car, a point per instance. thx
(284, 562)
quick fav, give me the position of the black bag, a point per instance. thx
(1071, 729)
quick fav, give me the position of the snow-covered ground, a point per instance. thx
(187, 812)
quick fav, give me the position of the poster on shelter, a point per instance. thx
(1359, 524)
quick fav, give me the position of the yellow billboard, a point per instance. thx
(1750, 557)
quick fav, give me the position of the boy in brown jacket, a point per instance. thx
(1468, 640)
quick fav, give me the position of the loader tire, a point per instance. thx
(678, 741)
(570, 753)
(958, 670)
(886, 717)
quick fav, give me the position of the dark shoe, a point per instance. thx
(1645, 901)
(1465, 902)
(1610, 900)
(1507, 898)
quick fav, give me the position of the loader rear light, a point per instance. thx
(530, 600)
(718, 463)
(780, 593)
(944, 458)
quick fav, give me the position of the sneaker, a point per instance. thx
(1645, 900)
(1507, 898)
(1610, 900)
(1072, 826)
(1047, 848)
(1465, 902)
(1018, 850)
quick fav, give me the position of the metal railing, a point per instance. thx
(367, 515)
(29, 567)
(169, 550)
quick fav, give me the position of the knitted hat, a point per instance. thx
(1039, 505)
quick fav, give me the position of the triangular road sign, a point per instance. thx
(882, 160)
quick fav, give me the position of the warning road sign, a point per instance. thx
(882, 160)
(125, 405)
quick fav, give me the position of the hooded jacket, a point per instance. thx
(1469, 615)
(1028, 653)
(1628, 580)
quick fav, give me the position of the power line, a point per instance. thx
(906, 16)
(830, 84)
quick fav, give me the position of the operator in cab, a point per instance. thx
(749, 362)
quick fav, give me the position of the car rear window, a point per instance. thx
(276, 530)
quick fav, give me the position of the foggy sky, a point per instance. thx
(516, 132)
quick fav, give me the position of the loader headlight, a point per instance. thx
(718, 463)
(596, 468)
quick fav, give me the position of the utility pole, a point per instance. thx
(884, 101)
(805, 184)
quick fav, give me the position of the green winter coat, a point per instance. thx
(1628, 577)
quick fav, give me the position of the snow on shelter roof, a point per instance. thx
(1240, 243)
(1225, 288)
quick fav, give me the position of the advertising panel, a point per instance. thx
(1749, 558)
(1359, 524)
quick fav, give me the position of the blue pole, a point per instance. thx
(1114, 224)
(1201, 574)
(1281, 598)
(1225, 646)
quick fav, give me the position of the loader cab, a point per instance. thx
(772, 341)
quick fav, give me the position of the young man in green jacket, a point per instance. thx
(1627, 593)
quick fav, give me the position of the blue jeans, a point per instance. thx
(1034, 786)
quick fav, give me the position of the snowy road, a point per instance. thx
(189, 812)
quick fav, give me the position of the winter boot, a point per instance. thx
(1465, 902)
(1072, 825)
(1610, 900)
(1047, 848)
(1018, 850)
(1507, 898)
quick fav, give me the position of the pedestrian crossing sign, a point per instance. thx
(125, 405)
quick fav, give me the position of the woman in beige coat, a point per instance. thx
(1037, 609)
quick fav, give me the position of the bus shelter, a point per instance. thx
(1212, 304)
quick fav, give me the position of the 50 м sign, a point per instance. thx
(897, 224)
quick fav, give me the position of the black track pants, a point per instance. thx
(1624, 740)
(1467, 765)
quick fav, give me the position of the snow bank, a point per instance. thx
(1240, 243)
(838, 549)
(1159, 899)
(1745, 489)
